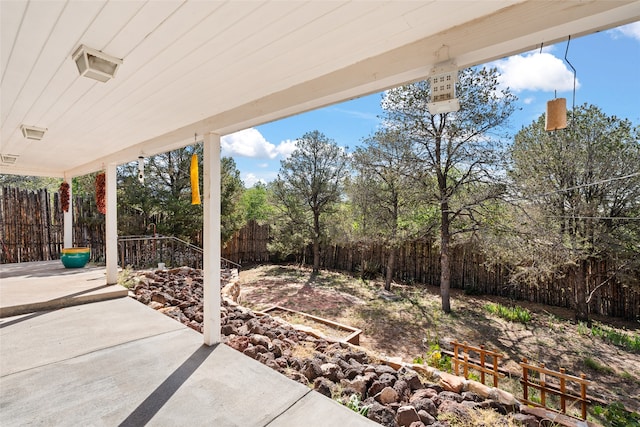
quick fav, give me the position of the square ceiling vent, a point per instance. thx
(94, 64)
(8, 159)
(32, 132)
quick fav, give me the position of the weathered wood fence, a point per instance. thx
(419, 262)
(31, 226)
(31, 230)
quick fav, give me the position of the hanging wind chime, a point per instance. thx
(556, 117)
(195, 181)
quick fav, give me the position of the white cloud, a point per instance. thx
(250, 180)
(528, 100)
(629, 30)
(286, 147)
(535, 72)
(250, 143)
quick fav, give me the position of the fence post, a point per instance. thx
(455, 357)
(583, 396)
(465, 365)
(563, 404)
(543, 394)
(525, 380)
(482, 363)
(495, 369)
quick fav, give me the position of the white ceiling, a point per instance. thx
(222, 66)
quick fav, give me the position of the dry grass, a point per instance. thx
(480, 418)
(402, 327)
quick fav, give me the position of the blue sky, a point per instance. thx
(608, 75)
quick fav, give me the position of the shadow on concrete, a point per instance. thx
(161, 395)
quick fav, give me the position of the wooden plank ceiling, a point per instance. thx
(196, 66)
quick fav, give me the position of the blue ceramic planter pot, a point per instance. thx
(75, 257)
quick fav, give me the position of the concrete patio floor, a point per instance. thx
(117, 362)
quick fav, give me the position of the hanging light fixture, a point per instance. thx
(95, 64)
(442, 80)
(141, 169)
(32, 132)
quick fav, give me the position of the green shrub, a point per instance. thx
(356, 405)
(619, 339)
(615, 415)
(596, 366)
(513, 314)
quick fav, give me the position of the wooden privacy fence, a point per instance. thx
(31, 230)
(461, 358)
(31, 226)
(555, 383)
(249, 245)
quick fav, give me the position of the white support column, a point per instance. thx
(68, 216)
(111, 224)
(211, 244)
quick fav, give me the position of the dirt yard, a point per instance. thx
(403, 322)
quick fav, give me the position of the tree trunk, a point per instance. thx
(390, 267)
(580, 290)
(316, 255)
(316, 242)
(445, 264)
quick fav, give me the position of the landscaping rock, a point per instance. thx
(407, 415)
(386, 396)
(426, 418)
(449, 395)
(428, 393)
(323, 386)
(451, 382)
(457, 409)
(332, 372)
(426, 405)
(526, 420)
(382, 415)
(394, 396)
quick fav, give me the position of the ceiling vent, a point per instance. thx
(94, 64)
(32, 132)
(8, 159)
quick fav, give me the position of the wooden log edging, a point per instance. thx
(352, 338)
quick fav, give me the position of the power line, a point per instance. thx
(590, 184)
(626, 218)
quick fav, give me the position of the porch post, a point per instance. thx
(111, 225)
(67, 217)
(211, 237)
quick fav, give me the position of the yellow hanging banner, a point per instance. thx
(195, 182)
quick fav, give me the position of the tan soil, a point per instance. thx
(404, 327)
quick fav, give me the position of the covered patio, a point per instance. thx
(162, 75)
(114, 361)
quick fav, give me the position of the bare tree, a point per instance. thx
(457, 155)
